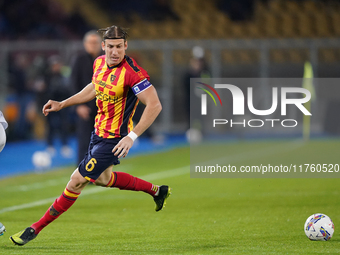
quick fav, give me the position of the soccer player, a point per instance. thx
(118, 84)
(3, 126)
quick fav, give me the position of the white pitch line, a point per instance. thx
(38, 185)
(53, 182)
(171, 173)
(149, 177)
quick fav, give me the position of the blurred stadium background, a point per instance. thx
(173, 40)
(239, 38)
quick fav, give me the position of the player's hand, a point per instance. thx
(83, 111)
(51, 106)
(123, 147)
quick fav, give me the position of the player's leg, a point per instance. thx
(76, 184)
(125, 181)
(98, 169)
(105, 178)
(88, 170)
(73, 188)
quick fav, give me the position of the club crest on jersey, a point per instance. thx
(113, 77)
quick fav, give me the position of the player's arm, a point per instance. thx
(153, 107)
(87, 94)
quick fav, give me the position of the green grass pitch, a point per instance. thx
(202, 216)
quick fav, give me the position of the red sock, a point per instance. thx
(126, 181)
(60, 205)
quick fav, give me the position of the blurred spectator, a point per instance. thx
(197, 69)
(36, 77)
(23, 94)
(82, 70)
(58, 122)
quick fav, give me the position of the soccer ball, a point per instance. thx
(193, 136)
(41, 160)
(2, 229)
(319, 227)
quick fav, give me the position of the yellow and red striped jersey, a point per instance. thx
(115, 98)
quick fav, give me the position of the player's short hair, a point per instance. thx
(91, 32)
(113, 32)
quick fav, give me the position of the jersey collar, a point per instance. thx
(111, 67)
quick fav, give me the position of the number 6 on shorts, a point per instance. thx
(91, 164)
